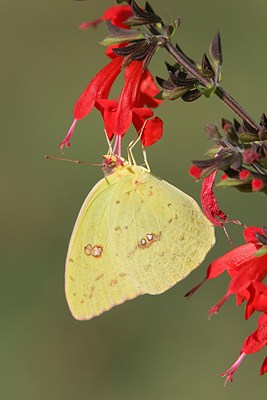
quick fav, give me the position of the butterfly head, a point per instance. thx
(110, 164)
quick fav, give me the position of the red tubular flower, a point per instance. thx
(148, 89)
(151, 130)
(253, 343)
(247, 271)
(256, 184)
(115, 14)
(250, 156)
(128, 110)
(243, 174)
(243, 267)
(128, 99)
(195, 171)
(235, 260)
(139, 89)
(98, 88)
(209, 203)
(264, 367)
(257, 298)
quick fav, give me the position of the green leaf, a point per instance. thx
(207, 92)
(110, 40)
(212, 151)
(261, 252)
(248, 137)
(230, 183)
(173, 94)
(216, 50)
(263, 162)
(207, 171)
(159, 96)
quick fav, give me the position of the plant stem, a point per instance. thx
(219, 91)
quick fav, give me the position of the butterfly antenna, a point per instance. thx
(74, 161)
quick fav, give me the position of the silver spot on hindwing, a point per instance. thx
(148, 240)
(95, 251)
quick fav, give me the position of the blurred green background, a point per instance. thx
(154, 347)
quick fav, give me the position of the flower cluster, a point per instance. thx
(138, 91)
(241, 153)
(247, 267)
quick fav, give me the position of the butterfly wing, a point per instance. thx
(158, 232)
(95, 279)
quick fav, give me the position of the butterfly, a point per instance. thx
(135, 234)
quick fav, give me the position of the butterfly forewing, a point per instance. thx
(95, 277)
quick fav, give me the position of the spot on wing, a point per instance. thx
(95, 251)
(149, 239)
(92, 291)
(99, 277)
(113, 282)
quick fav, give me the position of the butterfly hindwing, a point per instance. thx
(161, 235)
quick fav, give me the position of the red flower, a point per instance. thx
(195, 171)
(256, 184)
(250, 156)
(253, 343)
(243, 174)
(118, 117)
(233, 261)
(257, 298)
(98, 88)
(148, 89)
(243, 267)
(209, 203)
(139, 89)
(115, 14)
(247, 271)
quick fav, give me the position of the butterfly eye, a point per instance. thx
(149, 237)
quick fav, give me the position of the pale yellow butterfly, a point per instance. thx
(135, 234)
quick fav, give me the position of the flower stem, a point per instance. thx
(235, 107)
(219, 91)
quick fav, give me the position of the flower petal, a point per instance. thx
(232, 261)
(128, 99)
(98, 88)
(209, 203)
(250, 236)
